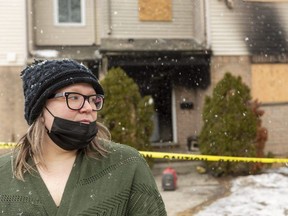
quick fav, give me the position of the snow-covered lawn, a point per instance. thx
(256, 195)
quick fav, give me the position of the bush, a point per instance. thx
(127, 115)
(261, 136)
(230, 127)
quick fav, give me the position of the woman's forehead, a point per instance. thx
(78, 87)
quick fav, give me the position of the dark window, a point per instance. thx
(69, 11)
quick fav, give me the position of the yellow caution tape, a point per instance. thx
(191, 157)
(7, 145)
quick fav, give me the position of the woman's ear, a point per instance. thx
(42, 118)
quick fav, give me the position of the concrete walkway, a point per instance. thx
(193, 191)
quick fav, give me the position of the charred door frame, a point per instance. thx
(189, 69)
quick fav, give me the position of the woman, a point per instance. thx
(64, 164)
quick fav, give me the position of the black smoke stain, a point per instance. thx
(264, 32)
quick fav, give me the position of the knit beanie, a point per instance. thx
(44, 77)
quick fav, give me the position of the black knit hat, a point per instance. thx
(43, 78)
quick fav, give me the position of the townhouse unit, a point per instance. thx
(249, 38)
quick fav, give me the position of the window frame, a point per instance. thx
(83, 15)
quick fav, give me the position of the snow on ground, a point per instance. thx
(265, 194)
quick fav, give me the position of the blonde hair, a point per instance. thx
(31, 146)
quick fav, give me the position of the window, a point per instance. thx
(70, 11)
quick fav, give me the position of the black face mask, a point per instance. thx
(71, 135)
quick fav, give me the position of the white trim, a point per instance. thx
(174, 115)
(25, 38)
(109, 18)
(207, 22)
(83, 15)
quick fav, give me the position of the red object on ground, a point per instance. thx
(169, 179)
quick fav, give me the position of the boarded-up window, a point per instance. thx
(269, 83)
(155, 10)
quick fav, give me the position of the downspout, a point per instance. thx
(104, 60)
(30, 32)
(109, 18)
(207, 23)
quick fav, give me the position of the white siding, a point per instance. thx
(199, 21)
(125, 23)
(99, 16)
(231, 29)
(282, 10)
(12, 32)
(225, 29)
(48, 33)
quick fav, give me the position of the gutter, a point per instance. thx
(30, 34)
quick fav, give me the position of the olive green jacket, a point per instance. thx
(119, 184)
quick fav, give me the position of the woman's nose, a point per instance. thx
(87, 106)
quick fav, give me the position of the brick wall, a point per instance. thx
(12, 124)
(185, 118)
(275, 119)
(236, 65)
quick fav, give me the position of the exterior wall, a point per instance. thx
(269, 86)
(122, 21)
(199, 24)
(254, 26)
(236, 65)
(248, 27)
(12, 33)
(275, 119)
(264, 87)
(267, 79)
(47, 33)
(99, 18)
(117, 19)
(13, 54)
(226, 27)
(13, 124)
(186, 123)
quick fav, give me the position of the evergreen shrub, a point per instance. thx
(126, 113)
(229, 128)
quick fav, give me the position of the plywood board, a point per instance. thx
(270, 83)
(155, 10)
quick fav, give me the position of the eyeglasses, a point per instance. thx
(76, 101)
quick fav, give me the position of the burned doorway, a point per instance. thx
(154, 81)
(156, 75)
